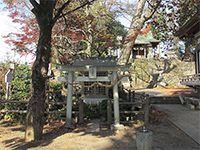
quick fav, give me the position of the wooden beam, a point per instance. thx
(25, 111)
(12, 101)
(14, 111)
(102, 68)
(131, 112)
(130, 103)
(87, 79)
(26, 102)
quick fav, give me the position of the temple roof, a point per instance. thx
(191, 27)
(146, 39)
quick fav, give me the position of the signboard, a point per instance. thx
(92, 72)
(8, 76)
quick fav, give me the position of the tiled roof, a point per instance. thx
(145, 39)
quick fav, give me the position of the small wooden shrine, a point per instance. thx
(143, 45)
(96, 76)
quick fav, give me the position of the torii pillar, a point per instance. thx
(116, 100)
(69, 99)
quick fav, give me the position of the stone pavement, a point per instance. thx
(184, 118)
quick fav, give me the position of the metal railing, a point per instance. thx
(193, 80)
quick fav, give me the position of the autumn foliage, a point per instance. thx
(146, 30)
(68, 33)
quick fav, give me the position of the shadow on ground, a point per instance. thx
(20, 144)
(166, 136)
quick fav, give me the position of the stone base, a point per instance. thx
(144, 140)
(190, 106)
(118, 127)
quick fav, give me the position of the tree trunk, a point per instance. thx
(135, 27)
(43, 11)
(127, 47)
(81, 112)
(36, 107)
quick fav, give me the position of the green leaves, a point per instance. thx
(21, 85)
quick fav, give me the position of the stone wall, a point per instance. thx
(152, 73)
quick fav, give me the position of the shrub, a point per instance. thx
(20, 91)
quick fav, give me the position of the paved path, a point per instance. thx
(184, 118)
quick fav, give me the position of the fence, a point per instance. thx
(51, 110)
(139, 101)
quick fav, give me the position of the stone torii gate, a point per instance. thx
(92, 67)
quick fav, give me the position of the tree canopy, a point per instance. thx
(93, 27)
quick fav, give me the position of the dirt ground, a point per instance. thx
(167, 91)
(165, 137)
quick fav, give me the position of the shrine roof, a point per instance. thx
(95, 61)
(102, 64)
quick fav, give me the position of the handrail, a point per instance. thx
(191, 80)
(192, 75)
(26, 102)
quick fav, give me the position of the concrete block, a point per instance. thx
(144, 139)
(190, 106)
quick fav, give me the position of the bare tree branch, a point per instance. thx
(59, 15)
(139, 9)
(35, 5)
(153, 11)
(149, 4)
(65, 19)
(60, 11)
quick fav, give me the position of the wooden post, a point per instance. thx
(7, 90)
(145, 52)
(81, 112)
(116, 100)
(109, 108)
(47, 101)
(146, 111)
(69, 100)
(109, 112)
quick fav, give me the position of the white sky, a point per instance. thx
(7, 26)
(125, 21)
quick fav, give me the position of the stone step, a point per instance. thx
(165, 100)
(192, 102)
